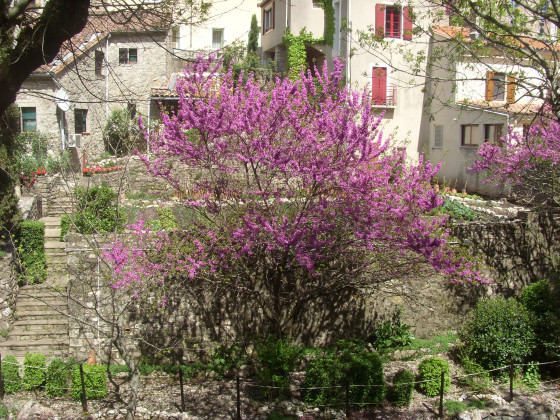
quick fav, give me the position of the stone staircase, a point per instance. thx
(41, 324)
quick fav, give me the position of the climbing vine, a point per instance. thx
(296, 55)
(328, 35)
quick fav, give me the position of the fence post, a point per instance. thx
(182, 389)
(84, 399)
(511, 382)
(238, 386)
(1, 381)
(347, 398)
(442, 384)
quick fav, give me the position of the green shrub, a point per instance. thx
(4, 413)
(95, 379)
(276, 358)
(453, 408)
(65, 224)
(122, 133)
(544, 306)
(225, 359)
(391, 334)
(58, 373)
(330, 373)
(34, 371)
(430, 369)
(31, 252)
(532, 377)
(97, 210)
(498, 333)
(10, 373)
(403, 385)
(480, 379)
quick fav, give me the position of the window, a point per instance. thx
(29, 119)
(128, 55)
(99, 58)
(131, 107)
(469, 135)
(217, 38)
(393, 21)
(438, 135)
(268, 17)
(175, 37)
(493, 133)
(497, 84)
(80, 116)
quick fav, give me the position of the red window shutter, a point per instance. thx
(407, 14)
(380, 20)
(379, 85)
(489, 96)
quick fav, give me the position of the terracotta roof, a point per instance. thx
(97, 29)
(453, 31)
(518, 108)
(167, 91)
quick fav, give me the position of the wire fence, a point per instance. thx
(243, 384)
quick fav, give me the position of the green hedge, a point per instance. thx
(331, 373)
(403, 385)
(34, 371)
(95, 379)
(31, 251)
(58, 373)
(10, 374)
(430, 369)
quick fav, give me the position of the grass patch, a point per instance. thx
(439, 344)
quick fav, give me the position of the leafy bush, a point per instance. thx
(532, 377)
(480, 379)
(34, 371)
(31, 251)
(498, 332)
(329, 374)
(391, 334)
(122, 133)
(456, 210)
(430, 369)
(97, 210)
(58, 373)
(4, 413)
(544, 305)
(10, 373)
(225, 359)
(276, 358)
(166, 220)
(454, 407)
(403, 385)
(95, 380)
(31, 147)
(65, 224)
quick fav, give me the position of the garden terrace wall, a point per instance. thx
(519, 252)
(8, 292)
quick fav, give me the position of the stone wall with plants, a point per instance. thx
(8, 292)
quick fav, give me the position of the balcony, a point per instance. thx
(384, 97)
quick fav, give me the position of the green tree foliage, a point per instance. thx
(10, 374)
(122, 133)
(9, 214)
(543, 302)
(97, 210)
(253, 42)
(498, 332)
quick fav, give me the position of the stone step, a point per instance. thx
(30, 315)
(39, 301)
(54, 253)
(48, 347)
(52, 233)
(41, 293)
(56, 245)
(41, 325)
(53, 334)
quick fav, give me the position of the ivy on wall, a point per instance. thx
(296, 55)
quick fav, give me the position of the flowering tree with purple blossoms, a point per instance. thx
(529, 162)
(294, 200)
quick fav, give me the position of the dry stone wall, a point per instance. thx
(8, 292)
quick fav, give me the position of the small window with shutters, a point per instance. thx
(393, 21)
(500, 87)
(438, 136)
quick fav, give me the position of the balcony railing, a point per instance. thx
(384, 96)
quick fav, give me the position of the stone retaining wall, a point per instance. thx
(8, 292)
